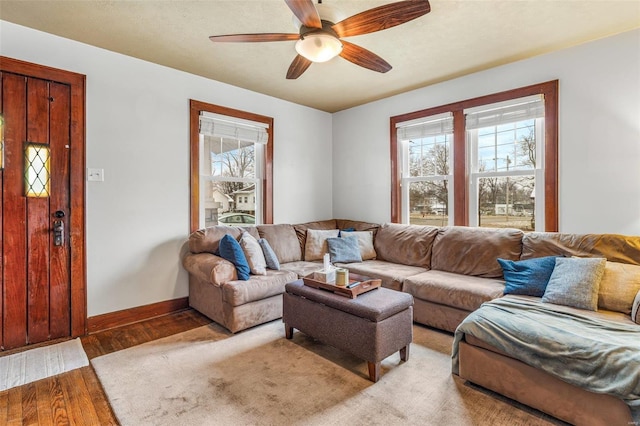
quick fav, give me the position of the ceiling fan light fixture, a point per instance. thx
(319, 47)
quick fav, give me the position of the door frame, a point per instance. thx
(77, 241)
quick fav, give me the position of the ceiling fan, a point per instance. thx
(320, 40)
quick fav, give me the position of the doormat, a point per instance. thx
(39, 363)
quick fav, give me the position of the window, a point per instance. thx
(494, 164)
(504, 141)
(36, 170)
(425, 149)
(231, 161)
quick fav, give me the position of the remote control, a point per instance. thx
(353, 284)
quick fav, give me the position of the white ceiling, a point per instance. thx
(454, 39)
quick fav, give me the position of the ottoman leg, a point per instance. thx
(374, 371)
(288, 331)
(404, 353)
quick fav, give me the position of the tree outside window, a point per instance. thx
(231, 158)
(494, 164)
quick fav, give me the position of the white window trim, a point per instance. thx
(537, 173)
(259, 154)
(406, 180)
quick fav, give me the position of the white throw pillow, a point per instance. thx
(316, 245)
(365, 242)
(253, 253)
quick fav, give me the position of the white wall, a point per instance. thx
(138, 131)
(599, 135)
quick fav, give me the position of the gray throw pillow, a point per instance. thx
(344, 250)
(635, 313)
(269, 255)
(575, 282)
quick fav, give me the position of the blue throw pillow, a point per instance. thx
(230, 250)
(269, 255)
(527, 277)
(352, 229)
(344, 250)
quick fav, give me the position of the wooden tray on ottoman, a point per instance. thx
(366, 284)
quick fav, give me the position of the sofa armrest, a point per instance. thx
(635, 313)
(210, 268)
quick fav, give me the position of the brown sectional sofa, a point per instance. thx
(214, 288)
(450, 271)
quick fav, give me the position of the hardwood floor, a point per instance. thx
(77, 397)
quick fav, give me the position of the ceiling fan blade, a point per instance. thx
(363, 57)
(306, 12)
(297, 67)
(243, 38)
(383, 17)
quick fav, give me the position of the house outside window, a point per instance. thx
(489, 161)
(231, 163)
(232, 153)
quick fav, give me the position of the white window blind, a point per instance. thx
(233, 128)
(530, 107)
(440, 124)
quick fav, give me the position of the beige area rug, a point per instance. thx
(39, 363)
(257, 377)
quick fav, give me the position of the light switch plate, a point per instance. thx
(95, 175)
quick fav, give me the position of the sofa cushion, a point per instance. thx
(618, 287)
(343, 224)
(575, 282)
(391, 274)
(615, 248)
(474, 251)
(316, 243)
(527, 277)
(269, 255)
(405, 244)
(344, 249)
(208, 267)
(259, 287)
(253, 253)
(301, 268)
(301, 229)
(231, 250)
(365, 242)
(456, 290)
(283, 241)
(207, 240)
(251, 229)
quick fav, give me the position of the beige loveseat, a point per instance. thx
(450, 271)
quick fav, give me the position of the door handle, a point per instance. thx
(58, 233)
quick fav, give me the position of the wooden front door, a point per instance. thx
(38, 239)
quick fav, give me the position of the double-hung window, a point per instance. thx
(506, 150)
(231, 166)
(425, 148)
(490, 161)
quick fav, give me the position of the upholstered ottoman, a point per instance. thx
(372, 326)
